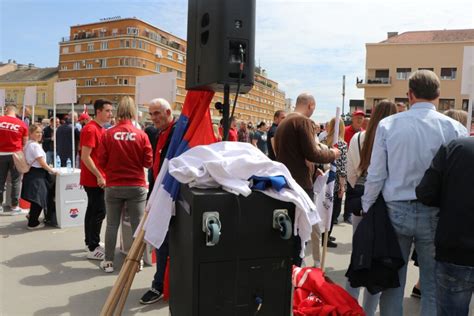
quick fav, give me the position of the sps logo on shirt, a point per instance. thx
(74, 212)
(125, 136)
(10, 126)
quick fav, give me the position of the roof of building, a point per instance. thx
(37, 74)
(432, 36)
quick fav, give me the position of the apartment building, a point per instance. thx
(106, 57)
(21, 76)
(390, 63)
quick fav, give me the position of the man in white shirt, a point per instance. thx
(404, 147)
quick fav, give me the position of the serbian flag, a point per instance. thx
(324, 197)
(193, 128)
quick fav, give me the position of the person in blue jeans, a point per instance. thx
(448, 184)
(404, 146)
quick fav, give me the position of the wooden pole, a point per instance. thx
(134, 269)
(122, 281)
(325, 248)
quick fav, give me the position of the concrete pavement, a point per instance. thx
(45, 273)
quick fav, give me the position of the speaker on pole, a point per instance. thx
(221, 37)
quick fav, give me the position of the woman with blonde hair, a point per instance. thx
(37, 181)
(124, 152)
(340, 183)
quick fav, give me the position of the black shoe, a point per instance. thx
(150, 297)
(332, 244)
(332, 238)
(416, 292)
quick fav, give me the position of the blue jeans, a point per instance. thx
(413, 223)
(162, 254)
(455, 288)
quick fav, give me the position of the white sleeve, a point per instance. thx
(33, 151)
(353, 160)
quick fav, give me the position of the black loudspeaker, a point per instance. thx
(229, 253)
(219, 33)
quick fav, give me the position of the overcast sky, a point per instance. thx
(305, 45)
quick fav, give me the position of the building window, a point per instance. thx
(77, 65)
(448, 73)
(403, 73)
(77, 48)
(89, 82)
(465, 105)
(125, 81)
(157, 67)
(124, 43)
(89, 66)
(445, 104)
(179, 74)
(430, 69)
(104, 45)
(64, 67)
(90, 47)
(102, 83)
(140, 44)
(132, 30)
(134, 43)
(158, 53)
(102, 63)
(114, 32)
(180, 58)
(65, 50)
(170, 55)
(168, 69)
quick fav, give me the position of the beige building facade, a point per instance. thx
(390, 63)
(15, 83)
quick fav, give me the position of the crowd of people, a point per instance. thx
(416, 158)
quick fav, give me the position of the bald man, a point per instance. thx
(296, 148)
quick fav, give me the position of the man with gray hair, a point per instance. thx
(404, 146)
(162, 117)
(296, 147)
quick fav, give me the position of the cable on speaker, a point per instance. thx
(241, 66)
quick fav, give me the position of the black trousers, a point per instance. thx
(34, 214)
(95, 214)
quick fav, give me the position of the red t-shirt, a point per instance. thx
(123, 153)
(349, 133)
(12, 132)
(91, 135)
(162, 139)
(232, 134)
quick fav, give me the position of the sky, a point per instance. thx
(304, 45)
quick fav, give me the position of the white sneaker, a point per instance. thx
(107, 266)
(17, 211)
(97, 254)
(101, 244)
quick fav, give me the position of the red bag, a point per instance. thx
(316, 295)
(166, 281)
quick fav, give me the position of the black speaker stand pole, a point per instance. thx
(226, 112)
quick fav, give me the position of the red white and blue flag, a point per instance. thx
(193, 128)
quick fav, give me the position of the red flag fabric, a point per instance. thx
(316, 295)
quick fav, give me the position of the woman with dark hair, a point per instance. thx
(37, 181)
(358, 161)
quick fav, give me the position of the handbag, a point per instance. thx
(21, 165)
(354, 195)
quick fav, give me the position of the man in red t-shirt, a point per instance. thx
(356, 126)
(13, 136)
(93, 177)
(232, 130)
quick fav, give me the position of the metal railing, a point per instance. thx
(375, 80)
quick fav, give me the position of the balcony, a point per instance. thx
(374, 82)
(109, 34)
